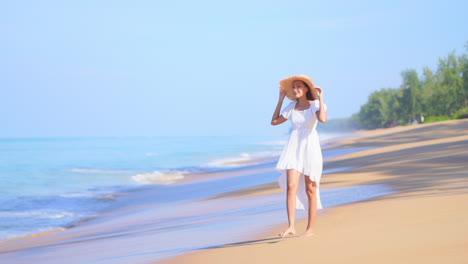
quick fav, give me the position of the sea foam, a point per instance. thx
(159, 177)
(243, 159)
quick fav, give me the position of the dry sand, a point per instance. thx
(424, 222)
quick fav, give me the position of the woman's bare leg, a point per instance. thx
(311, 190)
(293, 183)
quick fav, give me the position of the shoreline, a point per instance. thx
(231, 167)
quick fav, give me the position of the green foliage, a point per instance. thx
(432, 97)
(433, 119)
(382, 109)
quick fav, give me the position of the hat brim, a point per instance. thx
(287, 86)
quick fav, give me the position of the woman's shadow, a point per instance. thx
(272, 240)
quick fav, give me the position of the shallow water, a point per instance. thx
(48, 183)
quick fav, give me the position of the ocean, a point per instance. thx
(48, 183)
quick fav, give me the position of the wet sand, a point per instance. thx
(424, 222)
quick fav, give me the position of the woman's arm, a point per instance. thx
(322, 112)
(277, 118)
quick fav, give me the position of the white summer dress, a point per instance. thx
(302, 151)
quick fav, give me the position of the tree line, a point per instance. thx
(438, 95)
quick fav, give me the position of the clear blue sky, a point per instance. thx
(151, 68)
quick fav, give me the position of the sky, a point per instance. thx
(204, 68)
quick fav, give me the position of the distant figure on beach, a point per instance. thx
(301, 160)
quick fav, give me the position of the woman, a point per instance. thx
(301, 158)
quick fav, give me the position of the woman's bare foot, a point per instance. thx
(288, 231)
(308, 233)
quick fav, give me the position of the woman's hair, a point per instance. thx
(309, 95)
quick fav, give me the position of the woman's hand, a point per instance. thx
(320, 93)
(277, 118)
(322, 112)
(282, 94)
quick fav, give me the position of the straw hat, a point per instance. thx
(287, 85)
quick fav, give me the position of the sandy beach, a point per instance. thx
(424, 222)
(423, 219)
